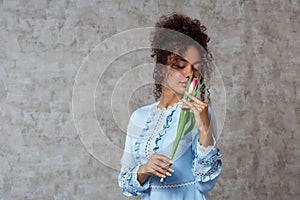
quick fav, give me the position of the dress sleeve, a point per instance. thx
(206, 163)
(127, 179)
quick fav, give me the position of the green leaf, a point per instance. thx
(198, 89)
(181, 124)
(190, 124)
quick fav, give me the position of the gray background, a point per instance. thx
(43, 43)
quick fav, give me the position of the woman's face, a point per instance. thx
(176, 75)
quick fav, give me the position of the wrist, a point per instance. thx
(142, 170)
(205, 139)
(204, 130)
(142, 175)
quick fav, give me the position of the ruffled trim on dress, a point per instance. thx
(143, 133)
(166, 126)
(207, 163)
(129, 183)
(155, 114)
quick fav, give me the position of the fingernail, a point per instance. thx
(172, 170)
(163, 176)
(168, 174)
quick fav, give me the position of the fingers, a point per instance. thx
(163, 158)
(192, 105)
(195, 99)
(200, 110)
(159, 165)
(196, 105)
(160, 171)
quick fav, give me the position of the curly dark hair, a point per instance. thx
(174, 33)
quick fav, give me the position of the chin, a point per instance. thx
(180, 94)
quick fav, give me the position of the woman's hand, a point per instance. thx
(157, 165)
(200, 110)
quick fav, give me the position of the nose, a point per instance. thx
(187, 71)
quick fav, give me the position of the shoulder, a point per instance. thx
(142, 113)
(139, 117)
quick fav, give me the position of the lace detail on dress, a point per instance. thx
(166, 126)
(147, 151)
(173, 185)
(143, 134)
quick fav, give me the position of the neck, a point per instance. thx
(168, 98)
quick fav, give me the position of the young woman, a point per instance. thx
(180, 47)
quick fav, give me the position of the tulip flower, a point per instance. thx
(186, 118)
(193, 85)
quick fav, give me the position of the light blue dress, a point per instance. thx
(153, 130)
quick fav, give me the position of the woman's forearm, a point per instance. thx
(205, 139)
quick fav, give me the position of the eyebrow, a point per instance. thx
(197, 62)
(182, 59)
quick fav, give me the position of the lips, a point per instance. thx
(184, 84)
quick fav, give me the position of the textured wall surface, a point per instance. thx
(43, 43)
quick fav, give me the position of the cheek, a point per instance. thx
(170, 74)
(196, 74)
(173, 74)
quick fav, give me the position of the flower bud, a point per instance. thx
(193, 86)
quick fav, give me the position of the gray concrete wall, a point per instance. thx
(43, 154)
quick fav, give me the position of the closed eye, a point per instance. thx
(179, 67)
